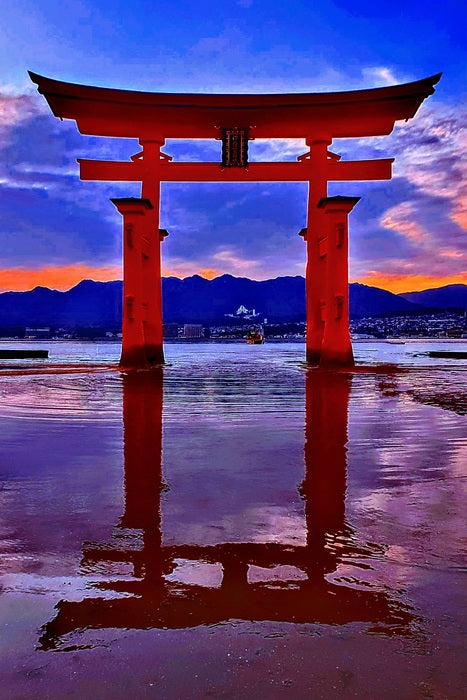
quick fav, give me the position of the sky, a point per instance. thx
(405, 234)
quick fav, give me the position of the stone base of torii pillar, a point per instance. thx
(142, 337)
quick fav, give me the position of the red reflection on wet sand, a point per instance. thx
(154, 601)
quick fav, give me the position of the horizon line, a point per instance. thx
(227, 274)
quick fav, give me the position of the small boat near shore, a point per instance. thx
(255, 337)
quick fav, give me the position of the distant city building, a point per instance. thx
(192, 330)
(37, 333)
(243, 313)
(441, 325)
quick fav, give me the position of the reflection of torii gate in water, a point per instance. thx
(154, 601)
(236, 119)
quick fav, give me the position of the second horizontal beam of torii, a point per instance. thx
(164, 171)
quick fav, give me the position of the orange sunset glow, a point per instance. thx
(398, 284)
(61, 278)
(67, 276)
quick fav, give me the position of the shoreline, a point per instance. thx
(193, 341)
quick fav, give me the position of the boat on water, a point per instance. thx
(255, 337)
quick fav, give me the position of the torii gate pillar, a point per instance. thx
(336, 349)
(152, 280)
(315, 265)
(141, 336)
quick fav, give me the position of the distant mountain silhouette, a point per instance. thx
(452, 296)
(198, 300)
(93, 304)
(372, 301)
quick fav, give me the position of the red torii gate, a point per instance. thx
(236, 119)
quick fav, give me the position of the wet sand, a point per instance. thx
(233, 525)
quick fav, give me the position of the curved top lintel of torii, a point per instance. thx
(128, 113)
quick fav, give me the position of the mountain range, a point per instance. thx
(198, 300)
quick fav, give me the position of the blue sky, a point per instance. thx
(405, 234)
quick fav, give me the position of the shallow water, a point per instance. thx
(234, 525)
(407, 352)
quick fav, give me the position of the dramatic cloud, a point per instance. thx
(420, 230)
(432, 158)
(13, 110)
(401, 219)
(48, 218)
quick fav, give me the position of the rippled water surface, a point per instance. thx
(233, 525)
